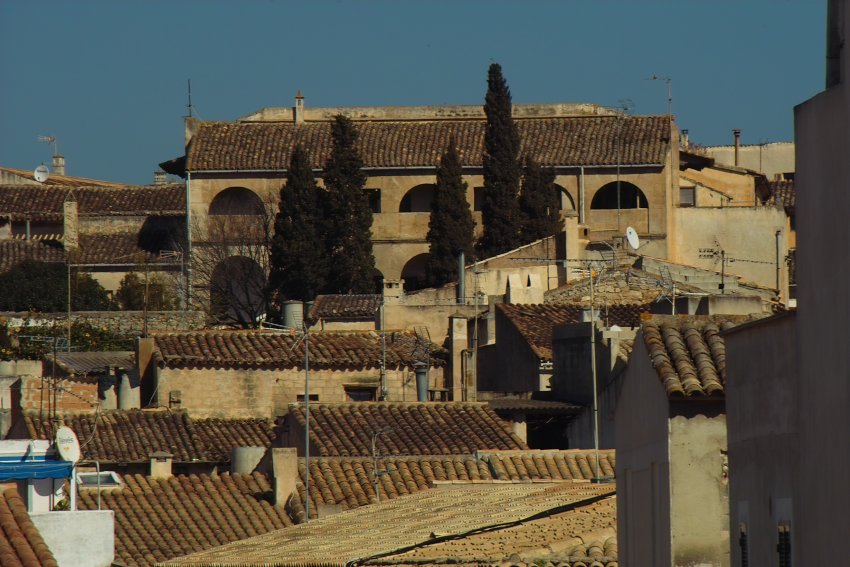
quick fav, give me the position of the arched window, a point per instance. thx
(629, 196)
(415, 273)
(565, 199)
(418, 199)
(236, 201)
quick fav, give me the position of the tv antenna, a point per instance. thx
(51, 141)
(189, 104)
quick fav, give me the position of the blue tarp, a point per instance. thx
(26, 469)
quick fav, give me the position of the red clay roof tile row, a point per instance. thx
(549, 465)
(45, 201)
(688, 354)
(436, 428)
(130, 436)
(536, 323)
(21, 544)
(345, 306)
(158, 519)
(558, 141)
(268, 349)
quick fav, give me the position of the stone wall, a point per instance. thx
(123, 323)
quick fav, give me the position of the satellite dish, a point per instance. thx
(633, 238)
(41, 173)
(67, 444)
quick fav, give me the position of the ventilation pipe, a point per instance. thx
(421, 371)
(58, 165)
(461, 278)
(160, 177)
(684, 138)
(299, 109)
(737, 133)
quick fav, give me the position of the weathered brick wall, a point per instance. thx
(72, 396)
(124, 323)
(268, 393)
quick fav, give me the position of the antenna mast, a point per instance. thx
(189, 105)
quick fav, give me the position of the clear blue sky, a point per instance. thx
(108, 78)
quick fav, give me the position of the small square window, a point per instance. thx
(687, 197)
(313, 398)
(108, 479)
(478, 199)
(360, 394)
(374, 196)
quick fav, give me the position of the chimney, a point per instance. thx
(299, 108)
(420, 369)
(684, 138)
(160, 177)
(58, 165)
(146, 368)
(161, 464)
(737, 133)
(459, 341)
(285, 472)
(70, 229)
(393, 291)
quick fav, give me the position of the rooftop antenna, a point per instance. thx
(189, 105)
(50, 140)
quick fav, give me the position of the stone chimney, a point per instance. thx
(71, 225)
(58, 165)
(737, 133)
(393, 290)
(299, 109)
(161, 464)
(684, 138)
(285, 473)
(160, 177)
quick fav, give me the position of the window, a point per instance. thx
(108, 479)
(361, 394)
(783, 548)
(374, 196)
(622, 195)
(687, 197)
(744, 545)
(478, 199)
(313, 398)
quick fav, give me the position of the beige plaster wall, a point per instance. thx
(739, 186)
(699, 495)
(769, 159)
(267, 393)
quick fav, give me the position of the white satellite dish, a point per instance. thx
(41, 173)
(633, 238)
(67, 444)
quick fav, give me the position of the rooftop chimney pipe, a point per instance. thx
(737, 133)
(160, 177)
(58, 165)
(299, 108)
(421, 371)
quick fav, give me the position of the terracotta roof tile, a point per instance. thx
(574, 464)
(414, 521)
(269, 349)
(566, 141)
(345, 307)
(47, 201)
(66, 180)
(688, 353)
(537, 322)
(130, 436)
(158, 519)
(782, 193)
(21, 544)
(13, 252)
(434, 428)
(506, 406)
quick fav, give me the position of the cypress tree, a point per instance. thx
(451, 227)
(539, 202)
(298, 262)
(500, 209)
(349, 217)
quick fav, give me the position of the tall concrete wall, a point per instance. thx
(822, 129)
(79, 539)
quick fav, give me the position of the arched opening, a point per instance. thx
(418, 199)
(238, 292)
(415, 273)
(629, 196)
(236, 201)
(162, 233)
(378, 279)
(564, 198)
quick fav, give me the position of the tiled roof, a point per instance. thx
(66, 180)
(86, 362)
(783, 194)
(392, 525)
(120, 248)
(581, 537)
(623, 285)
(349, 482)
(271, 349)
(157, 519)
(688, 353)
(429, 428)
(130, 436)
(21, 544)
(565, 141)
(536, 465)
(537, 322)
(538, 407)
(47, 201)
(345, 307)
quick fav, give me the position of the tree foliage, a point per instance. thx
(43, 287)
(130, 294)
(349, 217)
(500, 209)
(22, 343)
(539, 203)
(451, 228)
(299, 268)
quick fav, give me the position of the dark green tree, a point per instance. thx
(130, 294)
(500, 209)
(451, 228)
(18, 291)
(298, 259)
(349, 217)
(539, 202)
